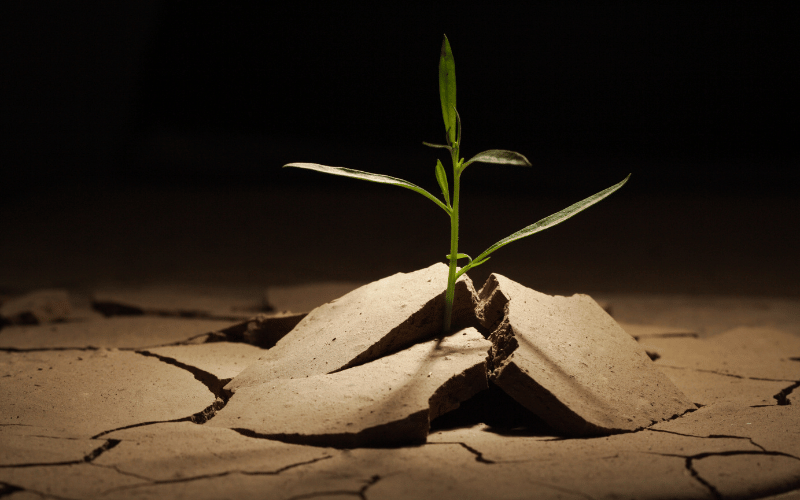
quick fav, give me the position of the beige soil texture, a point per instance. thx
(368, 323)
(108, 406)
(567, 360)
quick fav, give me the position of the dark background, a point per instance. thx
(125, 119)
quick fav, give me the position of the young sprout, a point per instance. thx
(452, 123)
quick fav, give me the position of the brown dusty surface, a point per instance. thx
(119, 407)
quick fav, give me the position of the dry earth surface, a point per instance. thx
(120, 394)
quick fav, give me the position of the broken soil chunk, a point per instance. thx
(390, 401)
(568, 361)
(377, 319)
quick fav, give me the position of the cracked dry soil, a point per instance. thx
(119, 405)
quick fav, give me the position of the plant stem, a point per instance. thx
(451, 277)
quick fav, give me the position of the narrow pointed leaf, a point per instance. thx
(474, 263)
(500, 157)
(431, 145)
(461, 256)
(458, 126)
(441, 178)
(550, 221)
(447, 89)
(368, 176)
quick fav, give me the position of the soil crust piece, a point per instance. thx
(370, 322)
(387, 402)
(568, 361)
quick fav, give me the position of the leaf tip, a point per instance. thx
(446, 54)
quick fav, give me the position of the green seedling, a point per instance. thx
(452, 123)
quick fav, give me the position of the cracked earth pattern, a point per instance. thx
(114, 407)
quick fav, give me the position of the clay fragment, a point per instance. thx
(568, 361)
(36, 308)
(386, 402)
(372, 321)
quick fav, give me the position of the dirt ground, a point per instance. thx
(114, 394)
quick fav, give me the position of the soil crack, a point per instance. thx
(212, 476)
(45, 349)
(8, 489)
(200, 417)
(733, 375)
(209, 380)
(690, 459)
(478, 454)
(88, 458)
(109, 444)
(696, 475)
(782, 397)
(361, 493)
(711, 436)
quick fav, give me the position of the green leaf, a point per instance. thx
(441, 178)
(470, 265)
(367, 176)
(447, 89)
(460, 256)
(547, 222)
(500, 157)
(431, 145)
(458, 126)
